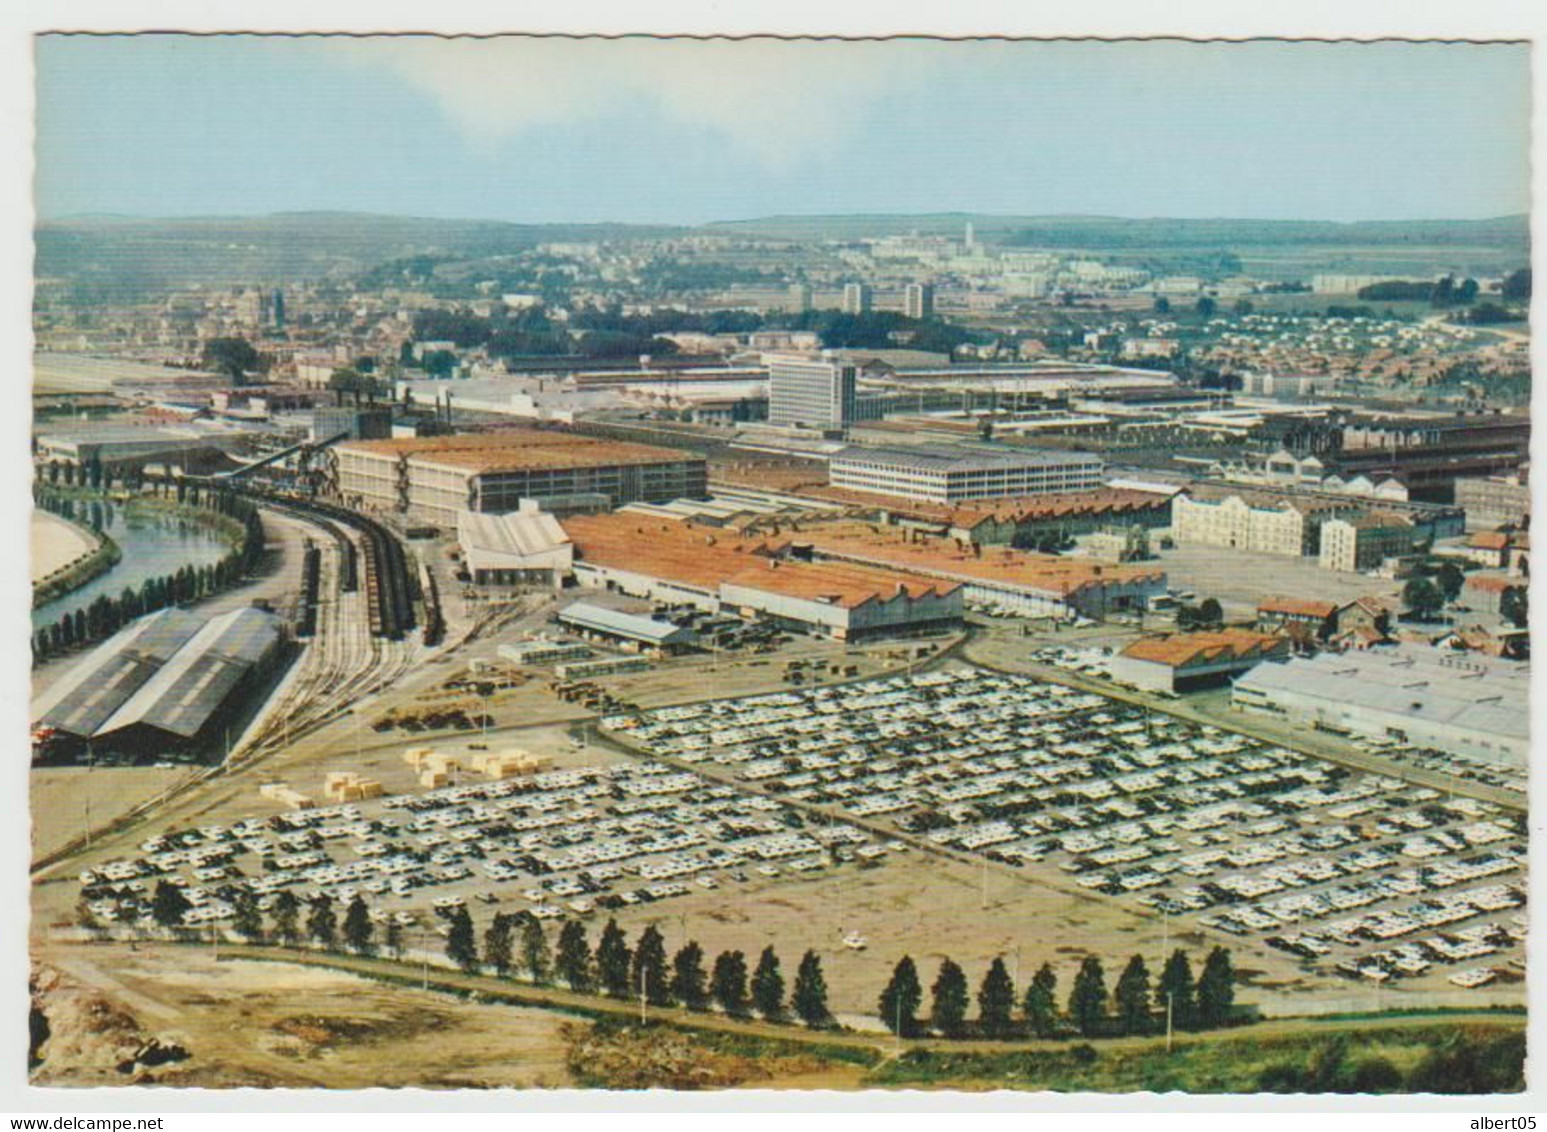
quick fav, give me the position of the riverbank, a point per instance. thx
(65, 556)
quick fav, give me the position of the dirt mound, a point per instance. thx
(83, 1037)
(605, 1056)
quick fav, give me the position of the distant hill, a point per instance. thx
(123, 254)
(118, 258)
(1096, 232)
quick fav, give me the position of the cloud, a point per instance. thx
(775, 103)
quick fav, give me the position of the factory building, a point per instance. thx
(1012, 581)
(164, 683)
(526, 547)
(1492, 501)
(1409, 694)
(951, 475)
(627, 630)
(363, 423)
(433, 479)
(1258, 521)
(755, 578)
(1185, 662)
(1363, 542)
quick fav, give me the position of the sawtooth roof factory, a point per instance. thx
(163, 683)
(431, 479)
(719, 571)
(1468, 706)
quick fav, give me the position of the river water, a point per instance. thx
(153, 544)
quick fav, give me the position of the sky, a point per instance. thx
(686, 132)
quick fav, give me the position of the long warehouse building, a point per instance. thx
(432, 478)
(164, 681)
(1473, 706)
(940, 474)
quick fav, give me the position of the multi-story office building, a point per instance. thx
(918, 300)
(935, 474)
(808, 391)
(857, 298)
(433, 478)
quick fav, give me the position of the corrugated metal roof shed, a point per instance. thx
(584, 615)
(182, 696)
(88, 695)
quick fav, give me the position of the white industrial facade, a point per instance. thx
(526, 546)
(936, 474)
(1469, 705)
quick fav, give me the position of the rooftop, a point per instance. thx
(517, 450)
(1297, 607)
(941, 458)
(1046, 573)
(598, 617)
(705, 559)
(1179, 649)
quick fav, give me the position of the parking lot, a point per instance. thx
(1357, 875)
(566, 842)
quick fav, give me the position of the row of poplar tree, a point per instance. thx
(1134, 1007)
(106, 615)
(517, 941)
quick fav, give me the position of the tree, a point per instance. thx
(286, 912)
(900, 1000)
(1040, 1005)
(358, 928)
(728, 983)
(245, 917)
(462, 942)
(612, 961)
(948, 1006)
(689, 983)
(1133, 997)
(996, 1000)
(768, 986)
(1162, 305)
(810, 996)
(394, 938)
(1209, 612)
(1216, 988)
(497, 944)
(648, 971)
(234, 357)
(1422, 598)
(574, 957)
(1177, 990)
(1449, 579)
(534, 949)
(1088, 998)
(322, 923)
(1206, 307)
(168, 906)
(1517, 284)
(1515, 606)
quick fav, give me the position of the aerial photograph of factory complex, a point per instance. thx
(581, 588)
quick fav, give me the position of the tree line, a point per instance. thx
(106, 615)
(1133, 1006)
(518, 943)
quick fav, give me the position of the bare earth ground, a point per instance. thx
(274, 1025)
(55, 544)
(1238, 580)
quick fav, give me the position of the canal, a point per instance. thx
(153, 542)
